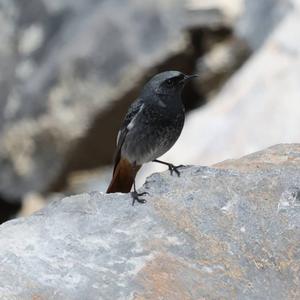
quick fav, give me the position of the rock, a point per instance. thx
(260, 18)
(31, 203)
(271, 158)
(213, 13)
(230, 233)
(217, 65)
(82, 181)
(65, 63)
(8, 210)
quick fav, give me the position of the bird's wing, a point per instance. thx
(128, 123)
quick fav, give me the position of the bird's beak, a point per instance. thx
(188, 77)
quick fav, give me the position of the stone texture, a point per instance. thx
(271, 158)
(227, 232)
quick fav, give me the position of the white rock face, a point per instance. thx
(260, 18)
(229, 232)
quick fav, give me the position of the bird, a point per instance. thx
(150, 128)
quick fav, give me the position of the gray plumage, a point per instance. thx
(155, 120)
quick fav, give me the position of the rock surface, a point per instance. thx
(228, 232)
(260, 18)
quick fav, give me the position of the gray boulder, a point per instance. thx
(226, 232)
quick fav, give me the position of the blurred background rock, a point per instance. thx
(69, 70)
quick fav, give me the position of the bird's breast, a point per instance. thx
(154, 133)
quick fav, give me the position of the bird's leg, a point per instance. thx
(135, 195)
(171, 167)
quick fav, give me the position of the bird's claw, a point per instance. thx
(173, 168)
(135, 197)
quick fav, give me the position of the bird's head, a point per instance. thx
(169, 82)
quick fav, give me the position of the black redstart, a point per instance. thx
(151, 127)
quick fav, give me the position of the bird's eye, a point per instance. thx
(169, 81)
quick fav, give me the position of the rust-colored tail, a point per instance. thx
(123, 177)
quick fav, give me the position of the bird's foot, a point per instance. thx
(173, 168)
(135, 197)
